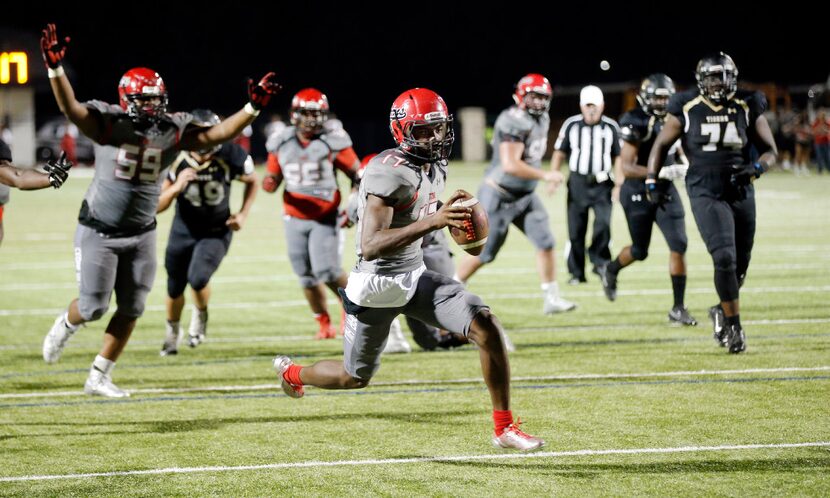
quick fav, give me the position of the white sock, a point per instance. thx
(69, 326)
(551, 288)
(173, 325)
(103, 365)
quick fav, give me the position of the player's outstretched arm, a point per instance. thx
(377, 239)
(53, 50)
(761, 136)
(259, 95)
(26, 179)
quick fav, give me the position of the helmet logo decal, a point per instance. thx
(430, 116)
(397, 113)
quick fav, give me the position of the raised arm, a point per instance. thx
(54, 50)
(258, 96)
(26, 179)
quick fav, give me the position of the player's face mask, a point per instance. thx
(147, 108)
(310, 120)
(537, 104)
(719, 86)
(431, 141)
(659, 105)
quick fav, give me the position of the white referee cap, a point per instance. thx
(591, 95)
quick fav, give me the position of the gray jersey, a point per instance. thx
(129, 168)
(413, 191)
(308, 169)
(517, 125)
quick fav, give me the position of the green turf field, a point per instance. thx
(627, 404)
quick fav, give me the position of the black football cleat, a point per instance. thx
(679, 315)
(736, 339)
(718, 327)
(609, 283)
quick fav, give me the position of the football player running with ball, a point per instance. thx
(397, 206)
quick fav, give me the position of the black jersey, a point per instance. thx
(203, 205)
(640, 128)
(715, 137)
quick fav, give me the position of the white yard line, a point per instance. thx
(433, 382)
(315, 464)
(486, 297)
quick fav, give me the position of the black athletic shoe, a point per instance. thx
(736, 339)
(679, 315)
(718, 327)
(609, 283)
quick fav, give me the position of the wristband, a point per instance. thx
(249, 108)
(55, 73)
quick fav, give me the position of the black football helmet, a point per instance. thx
(717, 77)
(655, 92)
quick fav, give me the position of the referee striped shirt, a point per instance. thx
(592, 148)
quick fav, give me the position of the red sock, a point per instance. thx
(292, 375)
(501, 419)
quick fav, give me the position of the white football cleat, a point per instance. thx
(172, 338)
(198, 327)
(56, 339)
(513, 438)
(281, 364)
(556, 304)
(100, 384)
(396, 342)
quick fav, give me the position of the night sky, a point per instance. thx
(469, 54)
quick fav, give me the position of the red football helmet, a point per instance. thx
(422, 125)
(142, 94)
(533, 93)
(309, 110)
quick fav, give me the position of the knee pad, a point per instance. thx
(328, 275)
(639, 253)
(724, 259)
(307, 282)
(198, 281)
(92, 307)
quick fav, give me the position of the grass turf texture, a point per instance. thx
(258, 310)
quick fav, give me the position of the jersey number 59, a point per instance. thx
(134, 161)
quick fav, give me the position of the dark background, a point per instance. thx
(364, 55)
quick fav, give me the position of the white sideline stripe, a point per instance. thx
(491, 297)
(436, 459)
(290, 338)
(475, 380)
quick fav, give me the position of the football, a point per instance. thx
(474, 236)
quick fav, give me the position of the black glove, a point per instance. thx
(52, 48)
(58, 170)
(260, 93)
(657, 197)
(744, 174)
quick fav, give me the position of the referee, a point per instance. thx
(593, 144)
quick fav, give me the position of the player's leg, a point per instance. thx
(135, 273)
(363, 343)
(176, 261)
(639, 215)
(716, 224)
(600, 253)
(325, 255)
(95, 268)
(577, 227)
(535, 224)
(500, 214)
(438, 259)
(672, 223)
(208, 254)
(442, 302)
(744, 212)
(297, 233)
